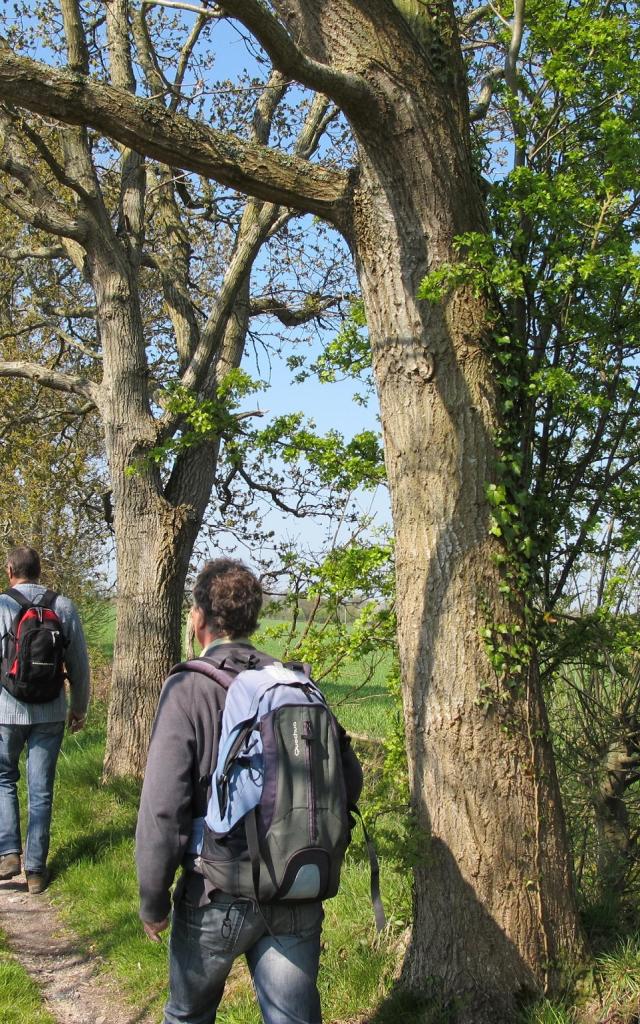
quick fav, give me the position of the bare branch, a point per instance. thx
(76, 42)
(203, 12)
(74, 142)
(41, 213)
(289, 316)
(40, 252)
(266, 106)
(157, 83)
(183, 59)
(49, 378)
(489, 82)
(72, 342)
(255, 226)
(173, 261)
(472, 17)
(132, 177)
(34, 202)
(511, 78)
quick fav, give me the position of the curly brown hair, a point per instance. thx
(230, 596)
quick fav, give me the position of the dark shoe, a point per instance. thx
(10, 865)
(37, 881)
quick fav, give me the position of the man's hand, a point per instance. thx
(75, 721)
(153, 928)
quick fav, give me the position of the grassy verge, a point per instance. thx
(20, 1000)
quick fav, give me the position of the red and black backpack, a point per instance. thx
(32, 667)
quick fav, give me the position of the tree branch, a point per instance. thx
(34, 203)
(489, 82)
(49, 379)
(38, 252)
(40, 214)
(132, 176)
(203, 12)
(289, 316)
(255, 226)
(469, 19)
(72, 342)
(174, 139)
(511, 78)
(350, 90)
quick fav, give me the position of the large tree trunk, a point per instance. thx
(154, 541)
(156, 522)
(495, 912)
(155, 526)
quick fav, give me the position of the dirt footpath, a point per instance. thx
(73, 990)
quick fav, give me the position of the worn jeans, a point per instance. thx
(283, 961)
(43, 741)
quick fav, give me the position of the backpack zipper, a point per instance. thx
(307, 735)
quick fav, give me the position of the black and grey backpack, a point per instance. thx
(278, 823)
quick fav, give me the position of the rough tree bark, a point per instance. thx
(494, 905)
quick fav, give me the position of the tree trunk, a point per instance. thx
(153, 546)
(154, 536)
(155, 522)
(495, 912)
(615, 848)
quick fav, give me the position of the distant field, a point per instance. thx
(368, 710)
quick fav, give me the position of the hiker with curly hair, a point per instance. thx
(211, 927)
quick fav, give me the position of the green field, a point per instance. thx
(369, 709)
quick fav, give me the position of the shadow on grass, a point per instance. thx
(610, 921)
(402, 1007)
(91, 846)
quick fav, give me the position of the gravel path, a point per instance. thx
(73, 990)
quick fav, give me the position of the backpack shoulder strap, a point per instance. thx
(376, 899)
(206, 667)
(299, 666)
(47, 600)
(18, 597)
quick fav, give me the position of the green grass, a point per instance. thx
(369, 709)
(99, 624)
(20, 999)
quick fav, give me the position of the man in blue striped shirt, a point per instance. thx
(38, 726)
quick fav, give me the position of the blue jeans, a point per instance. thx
(283, 964)
(43, 742)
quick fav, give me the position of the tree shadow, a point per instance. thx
(479, 999)
(90, 846)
